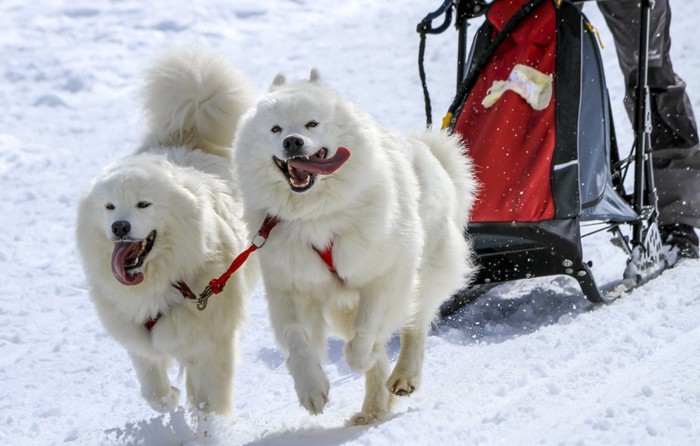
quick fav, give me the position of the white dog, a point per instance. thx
(369, 237)
(167, 216)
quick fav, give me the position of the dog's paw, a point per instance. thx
(312, 389)
(310, 381)
(365, 418)
(402, 384)
(314, 401)
(166, 402)
(358, 353)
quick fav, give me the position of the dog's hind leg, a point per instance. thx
(155, 385)
(406, 377)
(378, 400)
(441, 275)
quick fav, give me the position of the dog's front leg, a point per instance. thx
(155, 385)
(304, 364)
(209, 378)
(299, 330)
(381, 308)
(358, 351)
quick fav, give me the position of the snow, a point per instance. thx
(530, 363)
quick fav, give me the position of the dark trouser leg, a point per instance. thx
(674, 130)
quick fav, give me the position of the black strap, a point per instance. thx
(424, 83)
(426, 27)
(485, 57)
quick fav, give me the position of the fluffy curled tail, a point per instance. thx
(451, 153)
(194, 98)
(454, 158)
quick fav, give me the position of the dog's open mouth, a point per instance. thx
(301, 171)
(128, 257)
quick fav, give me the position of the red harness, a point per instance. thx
(152, 321)
(327, 257)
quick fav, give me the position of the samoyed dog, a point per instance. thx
(369, 235)
(167, 219)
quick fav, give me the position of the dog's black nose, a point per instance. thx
(293, 146)
(121, 228)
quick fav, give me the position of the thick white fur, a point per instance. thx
(193, 101)
(395, 213)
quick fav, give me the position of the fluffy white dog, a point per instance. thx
(369, 237)
(167, 216)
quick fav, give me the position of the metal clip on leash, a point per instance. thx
(204, 297)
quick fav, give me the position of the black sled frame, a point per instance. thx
(515, 251)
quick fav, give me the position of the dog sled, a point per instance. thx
(532, 106)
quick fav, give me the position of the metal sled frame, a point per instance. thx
(515, 251)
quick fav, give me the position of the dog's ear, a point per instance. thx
(315, 75)
(279, 80)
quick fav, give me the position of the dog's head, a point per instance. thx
(130, 217)
(303, 151)
(303, 131)
(297, 127)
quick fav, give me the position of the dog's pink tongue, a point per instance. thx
(321, 166)
(123, 251)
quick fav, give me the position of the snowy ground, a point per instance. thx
(532, 363)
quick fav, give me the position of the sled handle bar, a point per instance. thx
(426, 25)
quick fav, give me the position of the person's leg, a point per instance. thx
(677, 182)
(674, 135)
(673, 118)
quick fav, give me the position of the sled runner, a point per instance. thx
(532, 106)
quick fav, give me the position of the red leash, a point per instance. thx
(216, 286)
(323, 167)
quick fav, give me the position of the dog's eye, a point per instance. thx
(276, 129)
(311, 124)
(143, 204)
(109, 206)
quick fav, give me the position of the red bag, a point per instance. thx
(511, 143)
